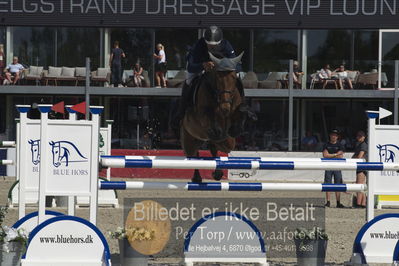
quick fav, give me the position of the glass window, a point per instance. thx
(390, 53)
(142, 123)
(322, 115)
(273, 49)
(3, 112)
(176, 43)
(137, 119)
(34, 45)
(75, 44)
(328, 47)
(137, 45)
(240, 40)
(270, 131)
(366, 50)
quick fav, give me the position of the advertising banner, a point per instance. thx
(199, 13)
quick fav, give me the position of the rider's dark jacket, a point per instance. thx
(198, 54)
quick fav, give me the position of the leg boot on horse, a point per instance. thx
(217, 174)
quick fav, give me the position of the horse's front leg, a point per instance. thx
(238, 121)
(215, 131)
(190, 147)
(217, 174)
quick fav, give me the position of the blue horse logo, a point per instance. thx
(387, 152)
(66, 152)
(35, 149)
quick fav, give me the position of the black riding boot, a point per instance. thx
(183, 104)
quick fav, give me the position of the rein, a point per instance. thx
(211, 81)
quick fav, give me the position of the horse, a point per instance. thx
(35, 149)
(387, 152)
(216, 116)
(65, 152)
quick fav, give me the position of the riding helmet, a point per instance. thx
(213, 35)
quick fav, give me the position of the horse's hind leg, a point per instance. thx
(190, 147)
(217, 174)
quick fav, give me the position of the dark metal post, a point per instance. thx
(251, 50)
(395, 116)
(37, 63)
(87, 88)
(102, 54)
(152, 59)
(290, 104)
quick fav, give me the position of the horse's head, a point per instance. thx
(386, 153)
(35, 150)
(55, 150)
(225, 86)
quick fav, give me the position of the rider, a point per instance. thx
(198, 61)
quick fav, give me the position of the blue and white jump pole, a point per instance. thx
(224, 186)
(243, 163)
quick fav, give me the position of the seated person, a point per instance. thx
(297, 75)
(14, 71)
(136, 80)
(343, 77)
(138, 75)
(325, 74)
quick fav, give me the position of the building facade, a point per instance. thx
(362, 35)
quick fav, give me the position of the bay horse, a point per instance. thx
(216, 116)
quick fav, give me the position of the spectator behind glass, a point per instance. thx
(14, 70)
(160, 66)
(138, 75)
(115, 63)
(325, 74)
(343, 77)
(297, 77)
(309, 142)
(332, 149)
(178, 58)
(2, 58)
(361, 176)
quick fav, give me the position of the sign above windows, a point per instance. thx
(198, 13)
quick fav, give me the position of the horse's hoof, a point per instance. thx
(217, 175)
(196, 179)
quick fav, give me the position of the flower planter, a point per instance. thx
(129, 256)
(311, 252)
(10, 253)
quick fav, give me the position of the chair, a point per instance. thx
(316, 79)
(250, 80)
(34, 73)
(178, 80)
(56, 74)
(146, 81)
(101, 75)
(353, 75)
(367, 80)
(130, 83)
(80, 74)
(272, 81)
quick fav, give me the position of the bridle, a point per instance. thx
(219, 93)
